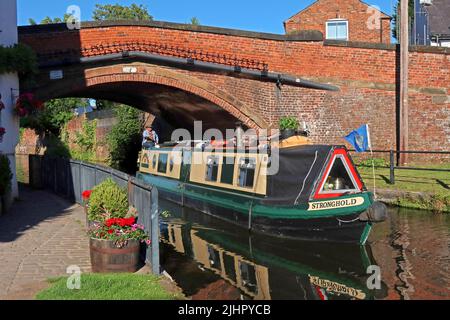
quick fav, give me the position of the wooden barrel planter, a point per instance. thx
(106, 257)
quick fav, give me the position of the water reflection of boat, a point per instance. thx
(265, 268)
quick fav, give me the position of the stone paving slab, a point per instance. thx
(40, 238)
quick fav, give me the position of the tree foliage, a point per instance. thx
(195, 21)
(49, 20)
(106, 12)
(119, 12)
(125, 139)
(54, 117)
(396, 18)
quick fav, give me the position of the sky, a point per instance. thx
(251, 15)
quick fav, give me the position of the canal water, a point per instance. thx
(211, 259)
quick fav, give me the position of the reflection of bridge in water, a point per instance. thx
(264, 268)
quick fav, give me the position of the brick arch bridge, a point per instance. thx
(188, 73)
(179, 97)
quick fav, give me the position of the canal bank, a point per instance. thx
(427, 201)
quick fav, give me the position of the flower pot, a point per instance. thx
(107, 257)
(287, 133)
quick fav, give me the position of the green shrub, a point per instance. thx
(125, 139)
(107, 200)
(5, 175)
(287, 123)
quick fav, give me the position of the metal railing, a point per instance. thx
(69, 178)
(393, 162)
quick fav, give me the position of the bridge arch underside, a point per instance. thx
(176, 100)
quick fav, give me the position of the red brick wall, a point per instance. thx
(366, 74)
(364, 22)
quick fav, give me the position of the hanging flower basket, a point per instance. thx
(2, 133)
(28, 105)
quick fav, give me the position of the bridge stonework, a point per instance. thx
(366, 74)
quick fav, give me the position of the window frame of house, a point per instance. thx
(327, 35)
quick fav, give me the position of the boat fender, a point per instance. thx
(376, 213)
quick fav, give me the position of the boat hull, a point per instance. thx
(345, 227)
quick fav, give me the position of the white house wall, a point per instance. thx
(9, 84)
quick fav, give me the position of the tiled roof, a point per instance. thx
(439, 16)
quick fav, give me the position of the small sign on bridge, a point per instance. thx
(56, 74)
(129, 70)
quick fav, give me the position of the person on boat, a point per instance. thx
(151, 139)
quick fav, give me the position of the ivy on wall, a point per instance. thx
(18, 58)
(86, 141)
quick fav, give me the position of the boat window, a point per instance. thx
(247, 168)
(154, 161)
(214, 258)
(339, 179)
(162, 163)
(230, 268)
(212, 169)
(248, 276)
(227, 170)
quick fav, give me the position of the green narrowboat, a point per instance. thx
(316, 193)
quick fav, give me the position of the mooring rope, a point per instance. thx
(351, 221)
(306, 178)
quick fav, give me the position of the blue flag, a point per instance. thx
(360, 139)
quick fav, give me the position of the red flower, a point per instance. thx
(109, 223)
(27, 105)
(22, 112)
(86, 194)
(2, 131)
(131, 221)
(110, 231)
(120, 222)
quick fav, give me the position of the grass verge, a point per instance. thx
(109, 287)
(409, 180)
(434, 187)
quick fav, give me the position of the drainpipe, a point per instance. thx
(208, 66)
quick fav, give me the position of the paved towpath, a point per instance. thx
(40, 238)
